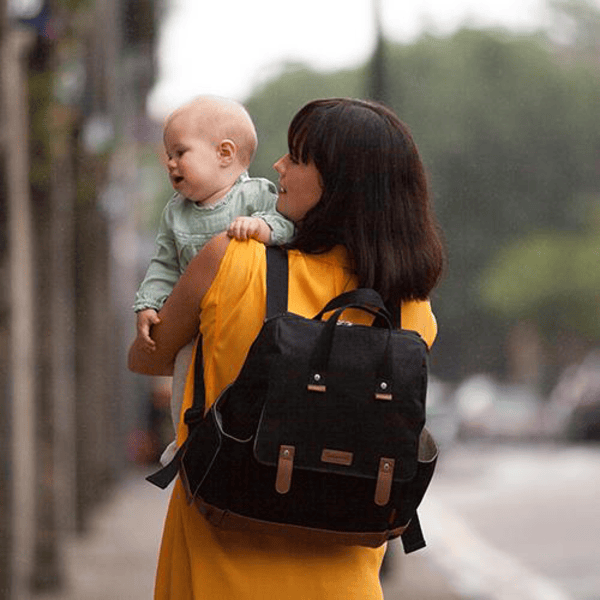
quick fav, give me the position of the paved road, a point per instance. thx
(535, 510)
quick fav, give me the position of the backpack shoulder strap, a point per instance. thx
(277, 281)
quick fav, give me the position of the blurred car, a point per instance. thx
(573, 410)
(489, 409)
(442, 417)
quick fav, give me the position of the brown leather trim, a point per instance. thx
(337, 457)
(285, 466)
(385, 477)
(313, 387)
(229, 520)
(380, 396)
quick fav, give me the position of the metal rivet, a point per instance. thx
(386, 466)
(286, 453)
(317, 377)
(383, 385)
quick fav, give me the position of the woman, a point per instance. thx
(354, 184)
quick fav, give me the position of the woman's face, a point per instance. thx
(300, 187)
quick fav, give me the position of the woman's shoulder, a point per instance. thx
(418, 316)
(244, 251)
(240, 263)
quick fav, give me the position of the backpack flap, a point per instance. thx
(340, 422)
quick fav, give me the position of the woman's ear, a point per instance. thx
(227, 151)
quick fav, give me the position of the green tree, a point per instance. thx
(552, 278)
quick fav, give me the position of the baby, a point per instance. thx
(210, 142)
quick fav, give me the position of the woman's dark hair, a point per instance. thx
(375, 200)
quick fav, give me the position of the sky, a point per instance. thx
(227, 48)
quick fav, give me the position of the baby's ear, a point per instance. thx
(227, 151)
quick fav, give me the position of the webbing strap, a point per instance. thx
(412, 538)
(277, 281)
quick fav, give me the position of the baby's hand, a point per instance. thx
(244, 228)
(145, 319)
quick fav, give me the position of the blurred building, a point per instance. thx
(74, 76)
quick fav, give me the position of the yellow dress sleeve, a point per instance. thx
(418, 316)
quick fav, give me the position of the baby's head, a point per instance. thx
(209, 142)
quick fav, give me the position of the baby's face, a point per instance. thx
(193, 160)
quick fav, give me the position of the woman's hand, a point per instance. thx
(180, 316)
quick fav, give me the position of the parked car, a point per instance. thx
(573, 410)
(442, 416)
(488, 408)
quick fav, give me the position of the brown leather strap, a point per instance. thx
(285, 466)
(385, 476)
(233, 521)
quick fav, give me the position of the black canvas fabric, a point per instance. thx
(324, 388)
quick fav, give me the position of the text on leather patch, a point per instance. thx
(337, 457)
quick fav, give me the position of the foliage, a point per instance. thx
(508, 133)
(548, 273)
(508, 130)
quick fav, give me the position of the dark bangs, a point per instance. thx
(316, 131)
(297, 134)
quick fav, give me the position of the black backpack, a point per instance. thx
(321, 435)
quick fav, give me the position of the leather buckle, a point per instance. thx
(385, 477)
(285, 465)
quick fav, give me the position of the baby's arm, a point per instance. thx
(244, 228)
(145, 319)
(164, 269)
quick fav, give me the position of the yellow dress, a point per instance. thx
(198, 561)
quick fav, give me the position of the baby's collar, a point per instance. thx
(243, 177)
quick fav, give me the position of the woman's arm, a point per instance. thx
(180, 316)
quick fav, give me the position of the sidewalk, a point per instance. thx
(416, 577)
(116, 560)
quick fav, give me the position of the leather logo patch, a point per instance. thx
(337, 457)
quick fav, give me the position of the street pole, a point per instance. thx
(378, 84)
(15, 44)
